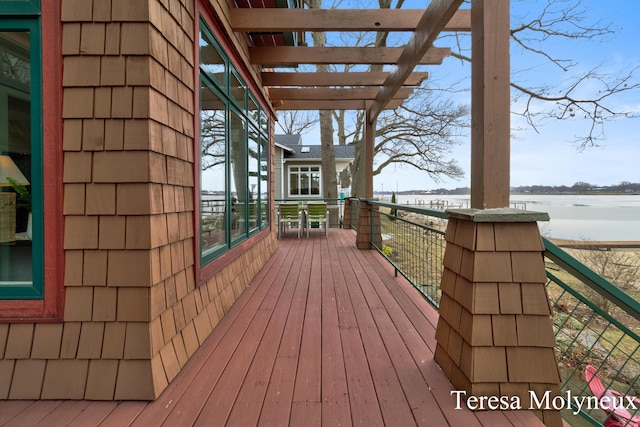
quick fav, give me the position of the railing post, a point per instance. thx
(346, 216)
(363, 237)
(494, 334)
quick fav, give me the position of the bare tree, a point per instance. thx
(583, 95)
(329, 176)
(296, 122)
(622, 268)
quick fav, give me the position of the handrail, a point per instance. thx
(438, 213)
(592, 279)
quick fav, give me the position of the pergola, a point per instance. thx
(270, 28)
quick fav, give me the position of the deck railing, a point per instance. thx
(596, 324)
(412, 240)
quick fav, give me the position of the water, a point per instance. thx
(575, 217)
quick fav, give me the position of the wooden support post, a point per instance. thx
(369, 139)
(346, 216)
(363, 237)
(494, 334)
(490, 104)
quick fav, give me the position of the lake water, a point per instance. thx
(575, 217)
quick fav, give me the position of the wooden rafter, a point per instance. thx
(432, 22)
(331, 94)
(288, 56)
(288, 20)
(335, 79)
(336, 104)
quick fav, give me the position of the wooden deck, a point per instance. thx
(325, 335)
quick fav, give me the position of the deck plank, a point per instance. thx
(220, 404)
(307, 389)
(394, 406)
(13, 408)
(276, 409)
(190, 381)
(335, 394)
(34, 414)
(94, 413)
(124, 414)
(362, 395)
(325, 334)
(64, 413)
(250, 399)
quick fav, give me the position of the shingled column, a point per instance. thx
(494, 334)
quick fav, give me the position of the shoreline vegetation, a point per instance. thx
(579, 188)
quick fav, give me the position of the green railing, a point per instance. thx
(412, 239)
(595, 323)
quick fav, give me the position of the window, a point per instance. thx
(21, 151)
(304, 180)
(234, 154)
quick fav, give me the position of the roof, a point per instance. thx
(295, 150)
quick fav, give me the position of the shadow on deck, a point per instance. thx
(325, 335)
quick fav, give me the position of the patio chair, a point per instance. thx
(617, 414)
(288, 215)
(317, 213)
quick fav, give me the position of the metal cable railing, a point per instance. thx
(597, 329)
(596, 324)
(412, 239)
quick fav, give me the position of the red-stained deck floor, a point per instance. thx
(325, 335)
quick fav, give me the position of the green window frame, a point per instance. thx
(15, 51)
(241, 202)
(19, 7)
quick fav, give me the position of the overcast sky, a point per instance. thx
(549, 157)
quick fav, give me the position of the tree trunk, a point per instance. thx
(329, 178)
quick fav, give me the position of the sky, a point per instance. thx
(549, 155)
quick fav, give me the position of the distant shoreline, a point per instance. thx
(529, 193)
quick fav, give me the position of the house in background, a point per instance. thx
(298, 168)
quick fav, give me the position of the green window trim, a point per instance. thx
(19, 7)
(22, 289)
(246, 128)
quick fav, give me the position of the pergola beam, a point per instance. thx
(288, 55)
(334, 104)
(331, 94)
(432, 22)
(335, 79)
(290, 20)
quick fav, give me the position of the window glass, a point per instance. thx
(237, 90)
(294, 181)
(234, 154)
(315, 181)
(20, 164)
(238, 163)
(264, 181)
(213, 224)
(253, 110)
(305, 182)
(211, 61)
(264, 123)
(254, 188)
